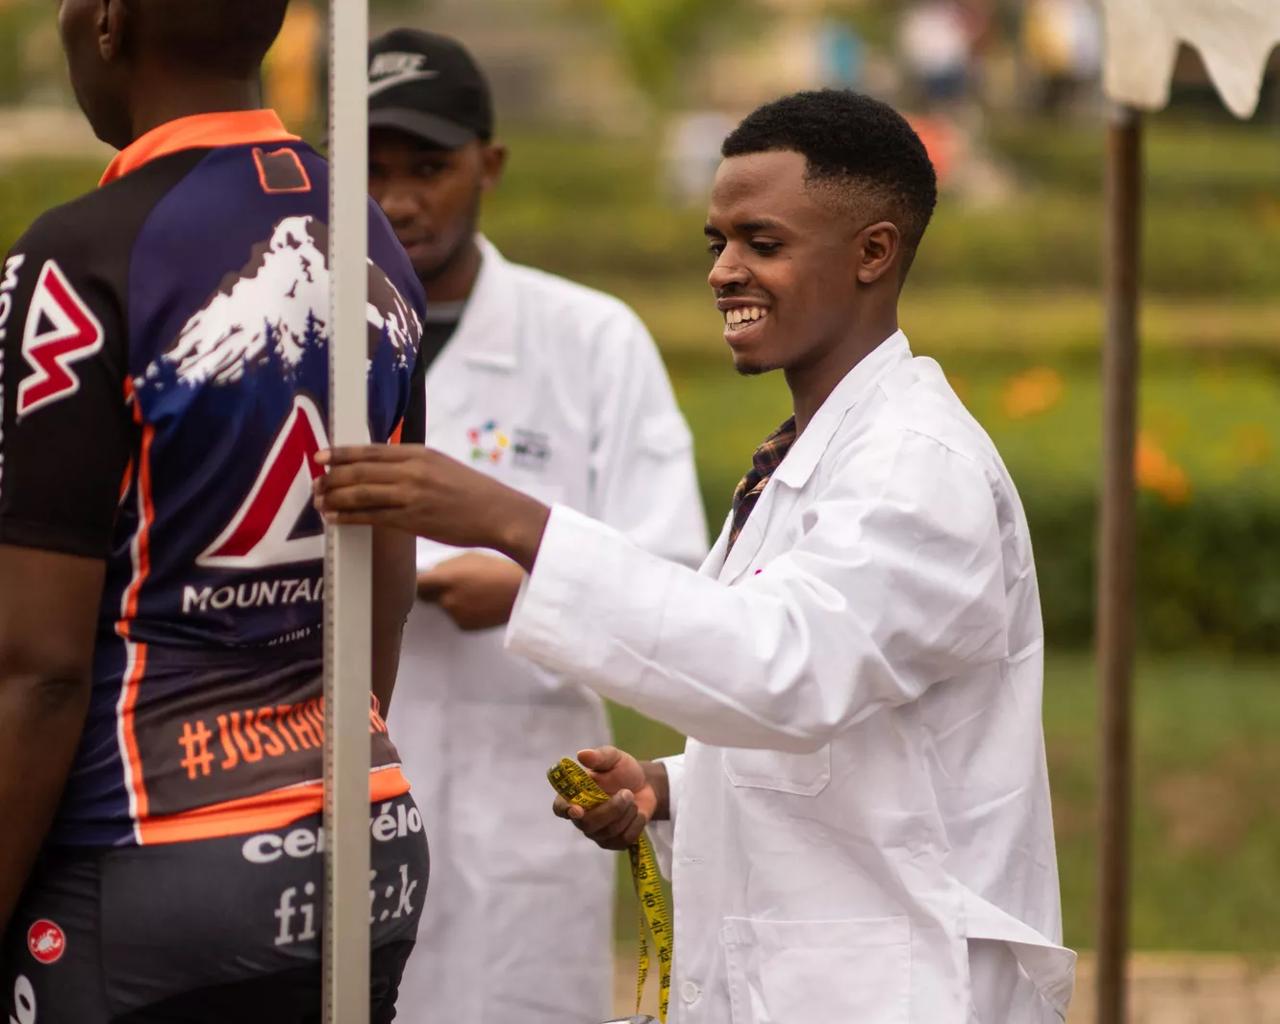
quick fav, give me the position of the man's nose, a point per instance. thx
(398, 204)
(727, 271)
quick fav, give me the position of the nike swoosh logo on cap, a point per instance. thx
(391, 81)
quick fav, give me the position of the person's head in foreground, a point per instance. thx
(431, 153)
(135, 64)
(816, 214)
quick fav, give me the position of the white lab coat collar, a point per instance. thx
(799, 464)
(800, 461)
(487, 334)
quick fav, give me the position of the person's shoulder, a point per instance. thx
(65, 230)
(920, 401)
(914, 427)
(106, 219)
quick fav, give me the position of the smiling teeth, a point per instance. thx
(744, 315)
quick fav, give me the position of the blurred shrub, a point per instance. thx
(1208, 572)
(16, 20)
(1208, 550)
(30, 188)
(657, 39)
(1211, 223)
(584, 207)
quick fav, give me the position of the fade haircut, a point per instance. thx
(859, 152)
(218, 37)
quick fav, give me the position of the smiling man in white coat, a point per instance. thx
(558, 391)
(859, 829)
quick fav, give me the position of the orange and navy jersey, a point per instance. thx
(164, 386)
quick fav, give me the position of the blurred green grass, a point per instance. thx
(1206, 831)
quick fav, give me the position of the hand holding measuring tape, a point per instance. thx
(633, 799)
(617, 822)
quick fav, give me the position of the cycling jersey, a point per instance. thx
(164, 386)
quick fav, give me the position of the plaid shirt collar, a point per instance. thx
(767, 458)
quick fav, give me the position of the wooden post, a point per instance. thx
(1116, 553)
(348, 551)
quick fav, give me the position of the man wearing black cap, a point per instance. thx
(558, 391)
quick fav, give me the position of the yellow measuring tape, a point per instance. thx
(572, 782)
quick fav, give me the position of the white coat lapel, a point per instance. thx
(798, 466)
(751, 539)
(714, 561)
(487, 336)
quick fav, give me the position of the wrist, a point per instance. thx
(655, 774)
(520, 525)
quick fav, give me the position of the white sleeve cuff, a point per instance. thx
(662, 833)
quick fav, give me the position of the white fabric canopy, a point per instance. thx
(1234, 38)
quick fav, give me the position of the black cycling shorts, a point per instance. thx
(221, 930)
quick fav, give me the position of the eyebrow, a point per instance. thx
(748, 227)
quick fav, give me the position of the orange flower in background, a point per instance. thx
(1032, 392)
(1159, 473)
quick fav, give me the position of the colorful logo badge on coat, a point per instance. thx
(46, 942)
(488, 442)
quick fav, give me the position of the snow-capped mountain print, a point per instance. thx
(274, 311)
(389, 315)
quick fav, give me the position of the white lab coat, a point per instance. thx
(862, 829)
(570, 403)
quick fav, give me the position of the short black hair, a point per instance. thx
(220, 37)
(860, 148)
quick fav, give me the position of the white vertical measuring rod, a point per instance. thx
(348, 551)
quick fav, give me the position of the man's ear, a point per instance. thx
(878, 247)
(113, 24)
(494, 160)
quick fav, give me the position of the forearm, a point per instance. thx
(41, 718)
(784, 660)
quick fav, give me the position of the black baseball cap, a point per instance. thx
(428, 86)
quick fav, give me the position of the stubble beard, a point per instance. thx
(450, 260)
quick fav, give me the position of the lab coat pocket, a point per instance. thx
(819, 972)
(800, 774)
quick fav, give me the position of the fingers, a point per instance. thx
(360, 498)
(431, 584)
(613, 825)
(387, 519)
(365, 453)
(599, 759)
(339, 477)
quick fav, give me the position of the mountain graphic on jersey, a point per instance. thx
(288, 275)
(244, 383)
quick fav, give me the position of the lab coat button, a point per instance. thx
(689, 992)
